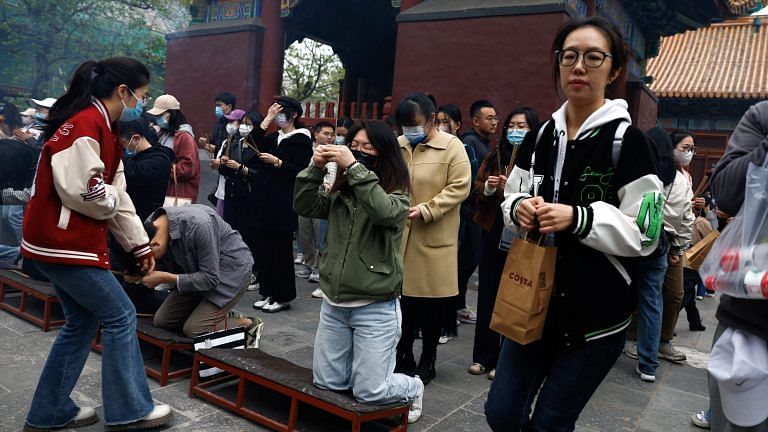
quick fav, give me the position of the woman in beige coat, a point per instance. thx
(440, 177)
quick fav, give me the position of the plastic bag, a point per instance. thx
(737, 265)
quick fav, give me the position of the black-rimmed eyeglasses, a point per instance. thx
(592, 58)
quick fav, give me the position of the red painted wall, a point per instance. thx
(200, 67)
(504, 59)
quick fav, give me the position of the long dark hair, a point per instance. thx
(453, 113)
(390, 166)
(505, 147)
(94, 79)
(175, 120)
(665, 153)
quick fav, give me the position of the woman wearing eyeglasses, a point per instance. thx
(597, 202)
(678, 226)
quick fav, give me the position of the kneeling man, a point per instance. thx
(208, 264)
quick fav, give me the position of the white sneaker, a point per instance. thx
(254, 284)
(299, 258)
(159, 416)
(444, 338)
(667, 351)
(317, 293)
(314, 277)
(466, 315)
(630, 349)
(263, 302)
(414, 413)
(645, 377)
(701, 420)
(276, 307)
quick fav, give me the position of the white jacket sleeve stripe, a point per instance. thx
(634, 227)
(517, 187)
(77, 177)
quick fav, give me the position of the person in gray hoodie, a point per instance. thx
(748, 144)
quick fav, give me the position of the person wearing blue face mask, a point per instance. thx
(224, 105)
(80, 194)
(440, 180)
(177, 134)
(487, 194)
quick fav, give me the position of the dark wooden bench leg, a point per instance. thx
(195, 376)
(240, 401)
(293, 415)
(356, 424)
(165, 367)
(23, 302)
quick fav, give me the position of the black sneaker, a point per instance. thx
(425, 370)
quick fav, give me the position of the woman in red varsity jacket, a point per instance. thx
(78, 194)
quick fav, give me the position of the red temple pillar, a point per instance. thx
(272, 53)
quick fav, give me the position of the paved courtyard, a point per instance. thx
(452, 402)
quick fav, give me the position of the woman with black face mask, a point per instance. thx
(361, 273)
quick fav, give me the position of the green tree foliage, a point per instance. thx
(42, 41)
(311, 71)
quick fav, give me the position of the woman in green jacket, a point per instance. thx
(361, 271)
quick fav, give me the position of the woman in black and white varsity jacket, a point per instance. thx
(592, 188)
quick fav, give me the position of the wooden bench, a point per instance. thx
(30, 299)
(253, 376)
(167, 354)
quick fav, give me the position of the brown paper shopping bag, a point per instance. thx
(524, 292)
(695, 255)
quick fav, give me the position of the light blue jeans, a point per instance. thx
(355, 349)
(89, 295)
(649, 280)
(13, 215)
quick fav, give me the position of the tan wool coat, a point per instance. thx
(440, 181)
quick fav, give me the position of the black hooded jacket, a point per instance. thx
(146, 177)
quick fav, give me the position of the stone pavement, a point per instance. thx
(453, 401)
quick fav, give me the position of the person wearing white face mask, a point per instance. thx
(282, 155)
(678, 226)
(224, 149)
(237, 161)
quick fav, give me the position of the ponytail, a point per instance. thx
(94, 80)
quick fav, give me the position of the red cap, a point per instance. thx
(764, 285)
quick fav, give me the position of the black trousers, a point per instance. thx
(487, 342)
(236, 214)
(469, 253)
(431, 315)
(691, 279)
(274, 261)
